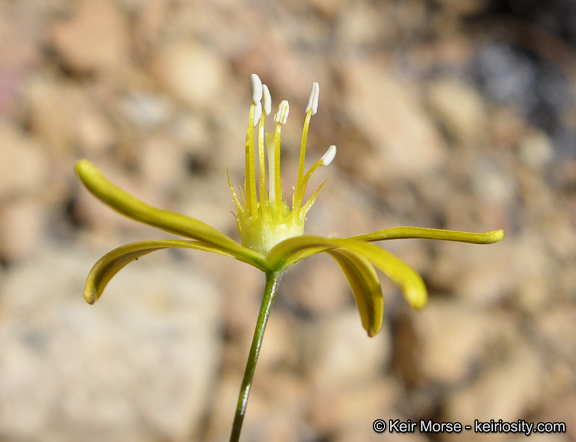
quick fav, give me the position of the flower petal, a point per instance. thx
(366, 287)
(440, 234)
(290, 251)
(172, 222)
(117, 259)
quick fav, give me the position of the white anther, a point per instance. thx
(313, 101)
(328, 157)
(257, 113)
(266, 100)
(256, 88)
(282, 114)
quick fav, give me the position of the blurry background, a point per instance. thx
(451, 114)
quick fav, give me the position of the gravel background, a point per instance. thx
(451, 114)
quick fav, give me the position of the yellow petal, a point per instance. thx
(440, 234)
(365, 286)
(172, 222)
(117, 259)
(290, 251)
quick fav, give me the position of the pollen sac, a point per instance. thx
(266, 100)
(329, 156)
(256, 88)
(313, 101)
(282, 114)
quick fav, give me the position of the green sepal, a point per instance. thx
(365, 286)
(111, 263)
(172, 222)
(408, 232)
(290, 251)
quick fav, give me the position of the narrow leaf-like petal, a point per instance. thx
(365, 285)
(117, 259)
(172, 222)
(290, 251)
(440, 234)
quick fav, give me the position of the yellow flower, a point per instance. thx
(272, 234)
(265, 219)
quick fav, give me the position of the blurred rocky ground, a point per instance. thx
(451, 114)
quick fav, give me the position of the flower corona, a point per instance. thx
(265, 219)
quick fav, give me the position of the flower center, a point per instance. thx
(264, 219)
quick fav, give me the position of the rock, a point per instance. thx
(162, 163)
(318, 286)
(508, 390)
(481, 275)
(148, 23)
(404, 141)
(95, 38)
(329, 8)
(195, 134)
(146, 110)
(339, 410)
(463, 8)
(190, 72)
(343, 209)
(280, 346)
(493, 185)
(208, 198)
(559, 234)
(340, 353)
(459, 107)
(93, 132)
(65, 118)
(139, 363)
(557, 329)
(51, 108)
(23, 164)
(536, 150)
(452, 339)
(275, 410)
(20, 50)
(225, 398)
(506, 127)
(561, 410)
(358, 26)
(21, 227)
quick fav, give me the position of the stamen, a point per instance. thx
(250, 180)
(280, 118)
(266, 100)
(329, 156)
(282, 115)
(261, 164)
(256, 88)
(313, 101)
(326, 159)
(271, 170)
(257, 113)
(312, 107)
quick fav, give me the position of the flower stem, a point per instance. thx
(270, 292)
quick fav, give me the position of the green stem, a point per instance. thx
(270, 291)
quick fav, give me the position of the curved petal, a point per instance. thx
(114, 261)
(172, 222)
(365, 285)
(417, 233)
(440, 234)
(289, 251)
